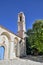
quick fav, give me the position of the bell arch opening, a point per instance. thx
(2, 52)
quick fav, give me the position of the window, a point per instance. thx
(20, 18)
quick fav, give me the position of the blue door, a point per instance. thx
(2, 49)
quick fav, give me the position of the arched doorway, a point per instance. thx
(8, 39)
(2, 51)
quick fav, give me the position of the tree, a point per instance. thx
(35, 38)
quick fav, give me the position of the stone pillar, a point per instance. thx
(18, 51)
(12, 53)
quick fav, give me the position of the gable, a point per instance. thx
(3, 30)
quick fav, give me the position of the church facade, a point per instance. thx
(14, 45)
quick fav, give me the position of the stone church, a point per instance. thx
(14, 45)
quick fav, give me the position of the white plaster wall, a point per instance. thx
(9, 43)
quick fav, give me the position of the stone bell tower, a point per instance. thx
(21, 33)
(21, 25)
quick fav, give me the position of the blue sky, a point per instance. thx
(9, 9)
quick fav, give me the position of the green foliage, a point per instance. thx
(35, 37)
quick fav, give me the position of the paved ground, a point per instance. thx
(29, 60)
(34, 58)
(19, 62)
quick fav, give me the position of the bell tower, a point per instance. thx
(21, 25)
(21, 33)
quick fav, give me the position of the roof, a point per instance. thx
(9, 31)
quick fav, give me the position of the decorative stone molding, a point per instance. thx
(6, 34)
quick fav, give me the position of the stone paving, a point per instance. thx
(18, 61)
(34, 58)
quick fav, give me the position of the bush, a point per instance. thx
(34, 41)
